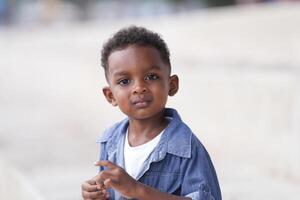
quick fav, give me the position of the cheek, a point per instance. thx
(162, 92)
(120, 96)
(164, 88)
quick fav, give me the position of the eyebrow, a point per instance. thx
(122, 73)
(119, 73)
(155, 67)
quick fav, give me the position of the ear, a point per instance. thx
(174, 85)
(109, 96)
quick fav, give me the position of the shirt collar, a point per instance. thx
(175, 140)
(177, 137)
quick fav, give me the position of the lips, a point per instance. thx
(141, 101)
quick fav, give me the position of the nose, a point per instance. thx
(140, 87)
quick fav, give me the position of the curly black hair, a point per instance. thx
(134, 35)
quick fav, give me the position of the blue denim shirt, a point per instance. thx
(179, 164)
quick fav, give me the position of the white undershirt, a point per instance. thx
(136, 156)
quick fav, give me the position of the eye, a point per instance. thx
(124, 82)
(151, 77)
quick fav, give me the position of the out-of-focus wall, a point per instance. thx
(239, 92)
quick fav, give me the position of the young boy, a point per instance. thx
(152, 154)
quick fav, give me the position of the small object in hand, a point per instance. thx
(101, 186)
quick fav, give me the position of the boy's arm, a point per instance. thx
(199, 178)
(116, 178)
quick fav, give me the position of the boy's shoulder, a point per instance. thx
(183, 139)
(114, 132)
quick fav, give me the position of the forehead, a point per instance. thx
(134, 56)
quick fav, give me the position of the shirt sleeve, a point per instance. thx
(199, 179)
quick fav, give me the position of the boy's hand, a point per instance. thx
(91, 190)
(116, 178)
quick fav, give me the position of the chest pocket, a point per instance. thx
(164, 175)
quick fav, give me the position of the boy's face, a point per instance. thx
(139, 81)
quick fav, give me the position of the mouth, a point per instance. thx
(141, 102)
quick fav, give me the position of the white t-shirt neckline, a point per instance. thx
(134, 157)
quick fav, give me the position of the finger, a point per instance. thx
(105, 163)
(101, 198)
(108, 183)
(101, 187)
(106, 175)
(99, 180)
(92, 181)
(92, 195)
(104, 196)
(89, 188)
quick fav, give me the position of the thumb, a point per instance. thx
(108, 183)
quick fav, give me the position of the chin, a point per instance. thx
(145, 114)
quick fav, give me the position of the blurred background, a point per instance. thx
(238, 63)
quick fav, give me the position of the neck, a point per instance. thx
(142, 131)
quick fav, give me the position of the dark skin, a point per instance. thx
(139, 84)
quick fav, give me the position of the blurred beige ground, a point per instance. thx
(14, 185)
(239, 92)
